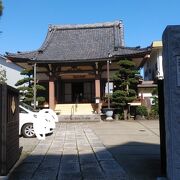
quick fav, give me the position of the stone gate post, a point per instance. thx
(171, 59)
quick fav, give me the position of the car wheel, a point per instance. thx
(28, 130)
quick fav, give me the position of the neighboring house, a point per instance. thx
(153, 70)
(153, 67)
(145, 90)
(12, 71)
(72, 63)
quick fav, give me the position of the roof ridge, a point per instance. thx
(83, 26)
(46, 41)
(20, 53)
(135, 48)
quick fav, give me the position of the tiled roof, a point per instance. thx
(131, 51)
(80, 43)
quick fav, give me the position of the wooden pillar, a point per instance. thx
(97, 94)
(57, 91)
(97, 81)
(97, 88)
(51, 93)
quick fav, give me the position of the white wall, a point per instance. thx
(150, 67)
(153, 68)
(12, 71)
(160, 74)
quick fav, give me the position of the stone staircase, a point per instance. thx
(77, 112)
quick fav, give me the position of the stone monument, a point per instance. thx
(171, 60)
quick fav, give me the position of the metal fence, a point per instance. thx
(9, 128)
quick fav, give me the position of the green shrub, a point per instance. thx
(153, 114)
(142, 111)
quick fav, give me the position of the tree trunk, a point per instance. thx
(125, 113)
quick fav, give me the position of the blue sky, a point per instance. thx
(24, 23)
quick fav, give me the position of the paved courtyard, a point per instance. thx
(90, 151)
(134, 144)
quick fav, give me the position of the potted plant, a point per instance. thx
(109, 113)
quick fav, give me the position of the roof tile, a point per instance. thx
(80, 43)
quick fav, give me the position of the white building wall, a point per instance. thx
(160, 74)
(12, 71)
(145, 95)
(150, 67)
(153, 68)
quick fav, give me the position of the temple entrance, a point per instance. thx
(77, 92)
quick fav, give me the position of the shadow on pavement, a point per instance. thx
(140, 161)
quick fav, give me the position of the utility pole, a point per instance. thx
(108, 62)
(34, 89)
(108, 83)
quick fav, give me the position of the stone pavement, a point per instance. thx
(72, 152)
(134, 144)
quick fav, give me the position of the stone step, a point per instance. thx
(75, 109)
(79, 118)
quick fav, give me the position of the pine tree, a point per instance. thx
(125, 85)
(26, 86)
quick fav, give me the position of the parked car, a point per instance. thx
(28, 118)
(49, 112)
